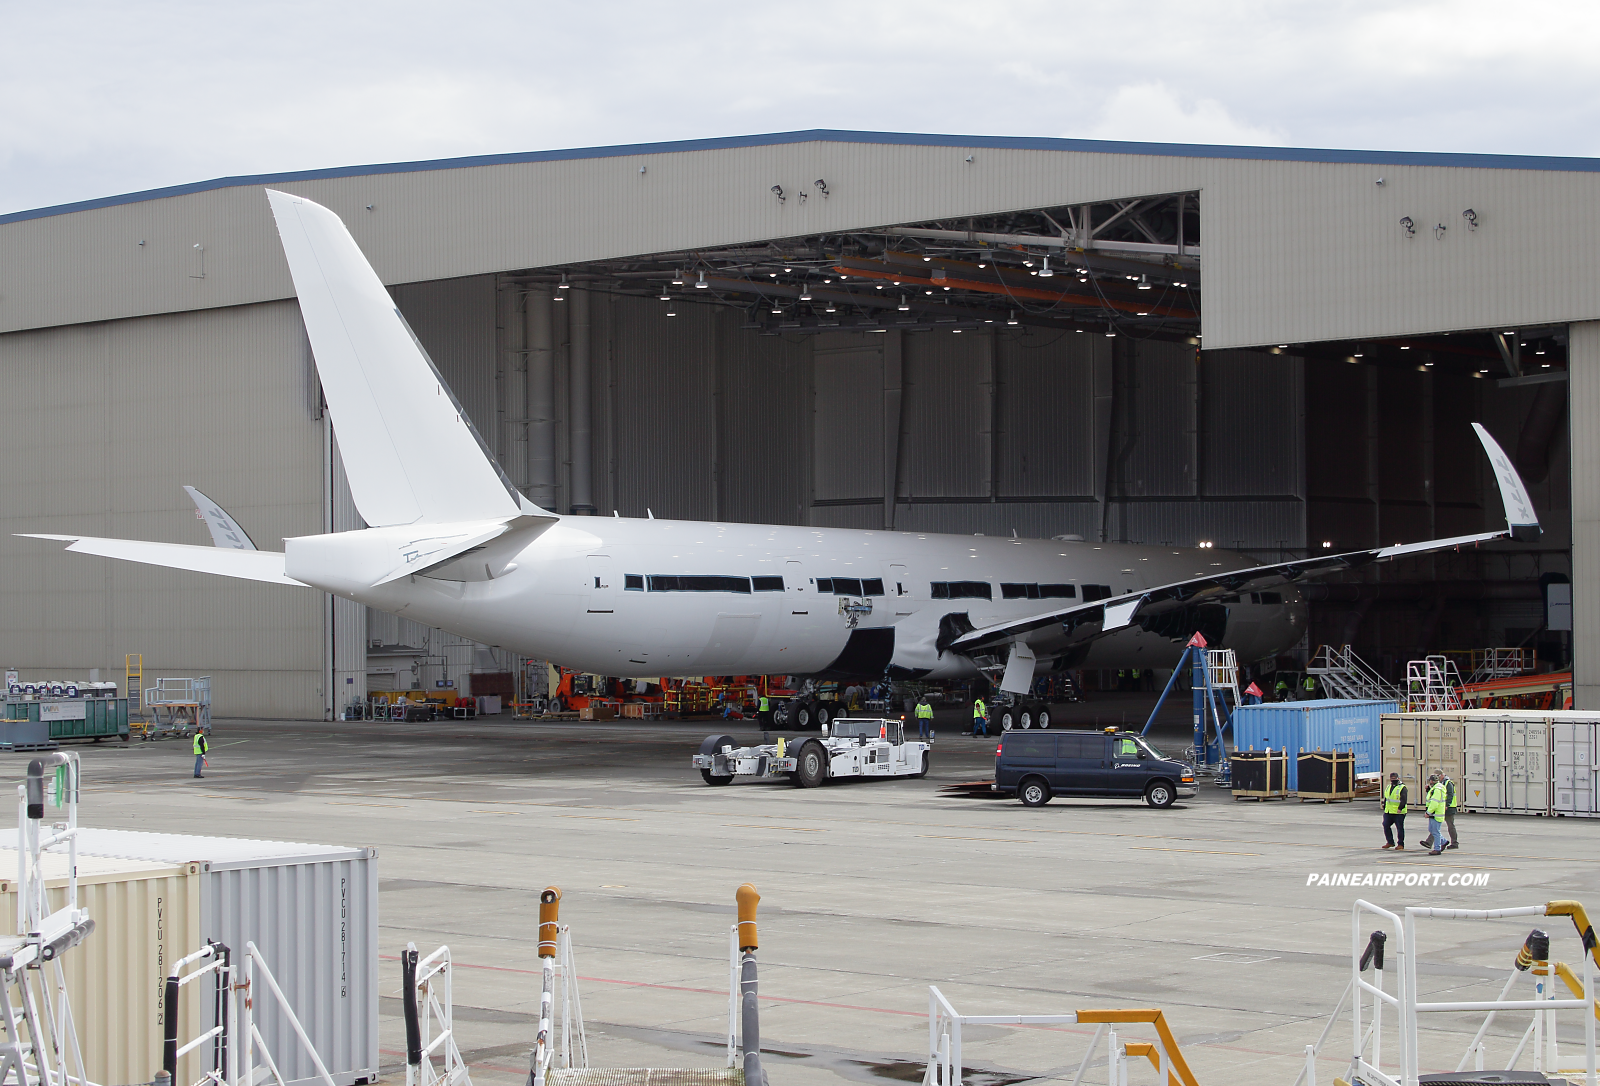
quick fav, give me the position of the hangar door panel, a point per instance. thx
(848, 422)
(1252, 424)
(946, 409)
(1046, 446)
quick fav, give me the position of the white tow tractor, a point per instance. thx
(849, 747)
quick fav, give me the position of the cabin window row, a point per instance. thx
(678, 582)
(1039, 591)
(850, 586)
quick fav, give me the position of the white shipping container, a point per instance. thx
(1575, 764)
(146, 916)
(312, 910)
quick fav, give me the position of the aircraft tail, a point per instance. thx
(411, 453)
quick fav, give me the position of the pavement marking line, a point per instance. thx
(951, 837)
(1454, 867)
(395, 806)
(597, 818)
(1194, 851)
(797, 829)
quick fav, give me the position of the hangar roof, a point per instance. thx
(1300, 244)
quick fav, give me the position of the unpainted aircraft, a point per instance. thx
(451, 543)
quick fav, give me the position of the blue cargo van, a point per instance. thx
(1111, 764)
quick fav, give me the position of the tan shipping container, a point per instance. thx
(146, 916)
(1415, 744)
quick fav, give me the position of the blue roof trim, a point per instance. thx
(825, 135)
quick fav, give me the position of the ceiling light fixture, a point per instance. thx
(1045, 272)
(831, 309)
(1144, 282)
(805, 293)
(563, 285)
(905, 304)
(776, 308)
(1012, 317)
(665, 297)
(701, 284)
(677, 278)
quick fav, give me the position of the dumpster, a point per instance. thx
(75, 718)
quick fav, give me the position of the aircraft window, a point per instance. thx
(1017, 591)
(962, 590)
(1058, 591)
(1096, 592)
(633, 582)
(825, 585)
(768, 584)
(847, 586)
(872, 586)
(666, 582)
(1271, 597)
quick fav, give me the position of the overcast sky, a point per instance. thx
(105, 98)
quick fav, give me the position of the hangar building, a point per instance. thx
(1274, 350)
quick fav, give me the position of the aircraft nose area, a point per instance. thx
(1259, 628)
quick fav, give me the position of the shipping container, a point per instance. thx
(1575, 763)
(312, 910)
(1330, 724)
(146, 916)
(75, 718)
(1416, 744)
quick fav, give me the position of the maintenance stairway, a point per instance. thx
(1345, 675)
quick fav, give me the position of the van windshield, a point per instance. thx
(1150, 750)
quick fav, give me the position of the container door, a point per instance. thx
(1526, 769)
(1564, 768)
(1481, 782)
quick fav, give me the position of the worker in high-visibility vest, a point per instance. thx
(1394, 814)
(924, 718)
(201, 746)
(1310, 685)
(1281, 691)
(1437, 804)
(980, 717)
(764, 712)
(1452, 804)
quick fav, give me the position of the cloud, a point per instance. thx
(1153, 112)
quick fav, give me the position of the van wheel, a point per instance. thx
(927, 761)
(1043, 717)
(811, 765)
(1159, 794)
(1033, 792)
(1007, 720)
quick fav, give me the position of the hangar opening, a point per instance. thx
(1121, 344)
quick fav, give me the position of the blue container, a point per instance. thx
(1329, 724)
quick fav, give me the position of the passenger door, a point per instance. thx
(898, 586)
(602, 593)
(1080, 764)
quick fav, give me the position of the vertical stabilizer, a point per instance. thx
(409, 449)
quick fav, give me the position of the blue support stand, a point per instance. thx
(1212, 752)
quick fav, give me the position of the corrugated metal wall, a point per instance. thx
(1584, 363)
(100, 426)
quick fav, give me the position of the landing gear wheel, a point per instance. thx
(1007, 720)
(825, 714)
(1025, 719)
(1160, 795)
(712, 744)
(1042, 718)
(803, 715)
(927, 761)
(811, 766)
(1033, 792)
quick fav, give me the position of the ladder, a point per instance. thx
(134, 674)
(1432, 685)
(1345, 675)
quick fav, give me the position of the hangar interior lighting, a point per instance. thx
(805, 294)
(677, 278)
(1144, 282)
(905, 304)
(701, 284)
(1327, 544)
(1044, 273)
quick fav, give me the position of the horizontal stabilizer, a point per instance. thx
(251, 565)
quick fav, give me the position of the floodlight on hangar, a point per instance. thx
(1045, 272)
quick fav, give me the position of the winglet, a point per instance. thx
(225, 531)
(1520, 517)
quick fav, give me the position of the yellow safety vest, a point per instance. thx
(979, 709)
(1452, 794)
(763, 703)
(924, 710)
(200, 744)
(1392, 802)
(1436, 802)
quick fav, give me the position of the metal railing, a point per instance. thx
(1345, 675)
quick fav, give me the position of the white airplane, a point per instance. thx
(645, 598)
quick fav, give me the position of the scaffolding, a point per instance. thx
(1432, 685)
(1346, 676)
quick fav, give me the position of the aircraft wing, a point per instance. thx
(225, 531)
(251, 565)
(1116, 613)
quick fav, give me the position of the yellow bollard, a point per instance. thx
(549, 918)
(748, 899)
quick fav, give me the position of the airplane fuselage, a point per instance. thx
(645, 598)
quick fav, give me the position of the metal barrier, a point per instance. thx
(220, 964)
(556, 966)
(1397, 936)
(430, 1007)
